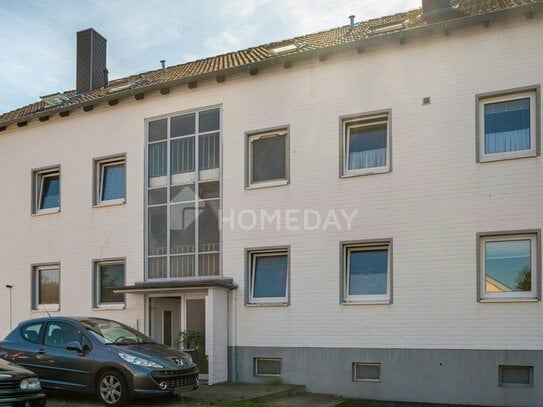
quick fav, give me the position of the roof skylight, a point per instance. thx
(281, 49)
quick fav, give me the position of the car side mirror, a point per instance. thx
(76, 346)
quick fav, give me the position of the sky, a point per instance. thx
(37, 37)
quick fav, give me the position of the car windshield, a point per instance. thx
(114, 333)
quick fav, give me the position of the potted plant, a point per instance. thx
(189, 341)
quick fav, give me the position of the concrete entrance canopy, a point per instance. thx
(215, 292)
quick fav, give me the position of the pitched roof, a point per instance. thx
(252, 57)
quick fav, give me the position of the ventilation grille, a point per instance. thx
(516, 376)
(267, 366)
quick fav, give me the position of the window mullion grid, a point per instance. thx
(196, 193)
(168, 182)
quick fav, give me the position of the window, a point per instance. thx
(267, 366)
(60, 334)
(508, 265)
(183, 195)
(508, 125)
(366, 372)
(110, 180)
(516, 376)
(267, 158)
(46, 287)
(46, 190)
(31, 332)
(268, 276)
(366, 272)
(109, 275)
(365, 144)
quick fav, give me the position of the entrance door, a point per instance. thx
(196, 321)
(165, 320)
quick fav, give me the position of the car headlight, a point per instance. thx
(32, 383)
(139, 361)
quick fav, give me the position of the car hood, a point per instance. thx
(155, 352)
(15, 371)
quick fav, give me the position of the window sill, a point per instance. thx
(46, 211)
(509, 299)
(506, 156)
(366, 302)
(268, 184)
(109, 307)
(48, 308)
(369, 171)
(113, 202)
(267, 304)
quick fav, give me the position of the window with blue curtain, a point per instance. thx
(50, 192)
(507, 126)
(270, 276)
(113, 182)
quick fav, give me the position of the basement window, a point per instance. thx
(366, 372)
(516, 376)
(267, 366)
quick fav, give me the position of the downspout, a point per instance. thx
(234, 337)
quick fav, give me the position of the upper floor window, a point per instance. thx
(508, 126)
(110, 180)
(183, 195)
(365, 141)
(267, 158)
(508, 265)
(366, 272)
(46, 190)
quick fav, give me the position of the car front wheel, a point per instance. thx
(112, 389)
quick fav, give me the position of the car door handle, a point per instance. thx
(40, 351)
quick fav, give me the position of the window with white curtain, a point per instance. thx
(366, 144)
(507, 126)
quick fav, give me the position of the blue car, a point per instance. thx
(101, 356)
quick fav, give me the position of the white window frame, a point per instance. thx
(254, 136)
(97, 281)
(357, 122)
(509, 296)
(368, 298)
(253, 255)
(100, 166)
(36, 282)
(39, 177)
(483, 157)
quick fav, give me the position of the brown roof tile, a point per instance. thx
(311, 42)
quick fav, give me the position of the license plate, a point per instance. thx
(177, 390)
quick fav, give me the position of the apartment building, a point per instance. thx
(355, 210)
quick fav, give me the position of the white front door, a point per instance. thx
(165, 320)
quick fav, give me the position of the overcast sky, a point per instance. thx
(37, 37)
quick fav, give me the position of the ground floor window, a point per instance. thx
(46, 287)
(268, 276)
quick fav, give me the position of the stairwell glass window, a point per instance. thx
(46, 191)
(365, 144)
(183, 195)
(366, 272)
(268, 276)
(507, 126)
(46, 287)
(509, 266)
(110, 180)
(267, 158)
